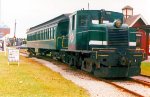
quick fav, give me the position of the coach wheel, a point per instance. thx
(66, 59)
(93, 68)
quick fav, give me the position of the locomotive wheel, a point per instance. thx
(79, 63)
(66, 59)
(30, 55)
(71, 62)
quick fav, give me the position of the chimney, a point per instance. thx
(127, 11)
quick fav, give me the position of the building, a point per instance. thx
(4, 30)
(139, 24)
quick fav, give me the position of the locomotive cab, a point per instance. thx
(88, 28)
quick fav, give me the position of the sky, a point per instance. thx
(29, 13)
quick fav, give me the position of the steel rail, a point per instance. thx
(122, 88)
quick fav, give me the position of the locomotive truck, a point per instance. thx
(95, 41)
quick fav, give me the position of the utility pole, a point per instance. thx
(88, 6)
(15, 33)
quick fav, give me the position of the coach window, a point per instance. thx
(28, 37)
(54, 32)
(41, 35)
(38, 35)
(49, 33)
(31, 37)
(44, 34)
(34, 36)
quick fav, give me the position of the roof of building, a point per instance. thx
(133, 19)
(2, 25)
(127, 7)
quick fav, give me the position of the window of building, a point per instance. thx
(138, 40)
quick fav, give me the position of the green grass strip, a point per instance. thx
(32, 79)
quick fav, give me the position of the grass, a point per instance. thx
(31, 79)
(145, 68)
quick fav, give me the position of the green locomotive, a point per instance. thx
(96, 41)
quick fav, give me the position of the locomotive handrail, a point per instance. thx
(103, 49)
(92, 31)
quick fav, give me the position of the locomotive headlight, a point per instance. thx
(117, 23)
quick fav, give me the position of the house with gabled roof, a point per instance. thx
(139, 23)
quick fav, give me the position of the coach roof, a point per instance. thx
(54, 20)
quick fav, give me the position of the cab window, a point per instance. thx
(83, 21)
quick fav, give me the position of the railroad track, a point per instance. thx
(145, 76)
(131, 86)
(145, 80)
(128, 85)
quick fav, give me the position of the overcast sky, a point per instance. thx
(29, 13)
